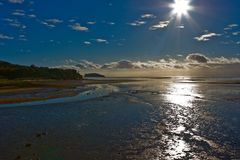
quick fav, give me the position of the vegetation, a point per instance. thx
(14, 71)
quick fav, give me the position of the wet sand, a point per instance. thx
(152, 119)
(17, 91)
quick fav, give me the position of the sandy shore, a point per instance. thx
(16, 91)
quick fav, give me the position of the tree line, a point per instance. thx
(14, 71)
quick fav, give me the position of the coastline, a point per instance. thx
(19, 91)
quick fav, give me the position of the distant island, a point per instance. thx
(94, 75)
(14, 71)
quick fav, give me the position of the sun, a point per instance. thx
(181, 7)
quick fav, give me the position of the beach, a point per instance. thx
(151, 118)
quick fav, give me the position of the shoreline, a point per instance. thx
(20, 91)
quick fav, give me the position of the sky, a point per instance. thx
(119, 33)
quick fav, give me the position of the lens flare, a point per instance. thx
(181, 7)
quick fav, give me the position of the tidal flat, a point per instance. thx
(160, 118)
(19, 91)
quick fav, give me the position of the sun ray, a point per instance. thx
(181, 8)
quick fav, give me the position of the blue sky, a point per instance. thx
(47, 32)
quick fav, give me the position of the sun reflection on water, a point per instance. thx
(182, 94)
(181, 97)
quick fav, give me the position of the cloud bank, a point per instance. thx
(191, 61)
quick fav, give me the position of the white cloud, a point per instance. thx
(137, 23)
(123, 64)
(19, 13)
(22, 38)
(236, 33)
(227, 28)
(48, 24)
(87, 42)
(232, 25)
(6, 37)
(54, 20)
(78, 27)
(207, 36)
(32, 16)
(15, 23)
(192, 61)
(82, 65)
(51, 22)
(91, 22)
(160, 25)
(111, 23)
(99, 40)
(180, 27)
(148, 16)
(18, 25)
(8, 19)
(223, 60)
(72, 20)
(16, 1)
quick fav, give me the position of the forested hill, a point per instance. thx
(14, 71)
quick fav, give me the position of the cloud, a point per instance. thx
(148, 16)
(78, 27)
(8, 20)
(72, 20)
(92, 23)
(16, 1)
(22, 37)
(223, 60)
(87, 42)
(126, 64)
(206, 37)
(6, 37)
(54, 20)
(137, 23)
(160, 25)
(19, 13)
(111, 23)
(123, 64)
(18, 25)
(191, 61)
(232, 25)
(196, 57)
(82, 65)
(15, 23)
(32, 16)
(236, 33)
(180, 27)
(227, 28)
(48, 24)
(51, 22)
(99, 40)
